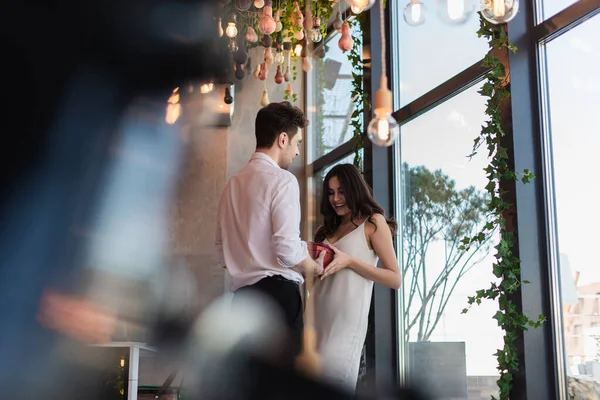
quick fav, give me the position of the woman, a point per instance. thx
(358, 232)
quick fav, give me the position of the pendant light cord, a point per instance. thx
(383, 43)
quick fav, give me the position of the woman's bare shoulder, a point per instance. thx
(374, 222)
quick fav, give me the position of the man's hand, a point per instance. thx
(319, 261)
(316, 266)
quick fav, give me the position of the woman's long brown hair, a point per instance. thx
(359, 201)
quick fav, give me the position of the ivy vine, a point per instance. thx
(357, 93)
(506, 266)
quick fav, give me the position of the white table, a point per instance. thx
(134, 363)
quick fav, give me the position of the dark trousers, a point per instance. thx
(286, 294)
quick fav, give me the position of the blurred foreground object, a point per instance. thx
(88, 80)
(234, 354)
(76, 317)
(309, 361)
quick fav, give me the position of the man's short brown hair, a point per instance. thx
(275, 118)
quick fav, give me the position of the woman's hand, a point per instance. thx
(340, 261)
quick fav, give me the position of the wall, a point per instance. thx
(209, 158)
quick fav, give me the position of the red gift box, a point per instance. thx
(314, 249)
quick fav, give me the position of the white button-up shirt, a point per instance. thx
(258, 224)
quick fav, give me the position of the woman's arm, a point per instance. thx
(381, 241)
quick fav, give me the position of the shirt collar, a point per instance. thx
(262, 156)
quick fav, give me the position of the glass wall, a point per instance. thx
(434, 52)
(573, 139)
(329, 103)
(441, 199)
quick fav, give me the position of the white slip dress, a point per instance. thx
(342, 303)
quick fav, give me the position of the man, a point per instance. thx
(258, 222)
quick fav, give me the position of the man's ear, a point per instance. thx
(283, 139)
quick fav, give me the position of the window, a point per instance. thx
(573, 140)
(442, 199)
(434, 52)
(548, 8)
(329, 103)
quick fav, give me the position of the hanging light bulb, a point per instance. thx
(308, 19)
(315, 35)
(383, 130)
(231, 31)
(299, 35)
(259, 3)
(297, 16)
(242, 5)
(267, 41)
(251, 35)
(346, 42)
(264, 71)
(240, 56)
(264, 99)
(356, 9)
(278, 24)
(338, 22)
(290, 89)
(173, 108)
(233, 47)
(267, 24)
(415, 13)
(279, 75)
(298, 50)
(228, 99)
(306, 64)
(499, 11)
(362, 5)
(287, 47)
(279, 56)
(207, 88)
(220, 27)
(239, 72)
(268, 56)
(455, 12)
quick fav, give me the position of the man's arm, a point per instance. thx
(291, 251)
(308, 262)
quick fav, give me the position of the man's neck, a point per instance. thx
(271, 153)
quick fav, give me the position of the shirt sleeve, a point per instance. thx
(285, 220)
